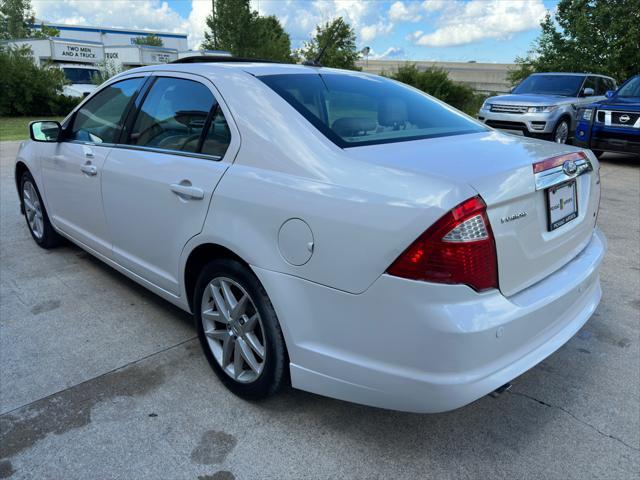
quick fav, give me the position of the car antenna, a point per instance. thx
(316, 61)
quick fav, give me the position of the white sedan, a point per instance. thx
(332, 230)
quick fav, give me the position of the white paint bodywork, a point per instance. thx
(352, 331)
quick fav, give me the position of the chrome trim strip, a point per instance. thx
(126, 146)
(556, 175)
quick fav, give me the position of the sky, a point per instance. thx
(446, 30)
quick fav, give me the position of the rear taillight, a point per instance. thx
(458, 248)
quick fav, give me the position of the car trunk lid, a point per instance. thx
(501, 169)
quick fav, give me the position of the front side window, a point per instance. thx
(564, 85)
(100, 120)
(354, 110)
(590, 82)
(173, 115)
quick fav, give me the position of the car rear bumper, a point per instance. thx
(423, 347)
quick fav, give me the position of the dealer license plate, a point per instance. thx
(562, 204)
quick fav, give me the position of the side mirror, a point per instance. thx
(609, 93)
(45, 131)
(512, 89)
(588, 92)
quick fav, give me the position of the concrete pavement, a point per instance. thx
(99, 378)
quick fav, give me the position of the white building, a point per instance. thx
(78, 50)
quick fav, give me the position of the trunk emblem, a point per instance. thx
(569, 167)
(513, 217)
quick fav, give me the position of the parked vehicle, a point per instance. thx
(80, 79)
(336, 230)
(612, 125)
(544, 105)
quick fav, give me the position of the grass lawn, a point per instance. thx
(17, 128)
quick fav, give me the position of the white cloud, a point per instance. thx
(371, 32)
(391, 53)
(433, 5)
(462, 23)
(366, 17)
(142, 14)
(399, 12)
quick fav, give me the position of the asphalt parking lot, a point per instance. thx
(99, 378)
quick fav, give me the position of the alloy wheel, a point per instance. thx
(562, 133)
(234, 330)
(33, 209)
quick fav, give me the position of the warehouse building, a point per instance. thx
(78, 51)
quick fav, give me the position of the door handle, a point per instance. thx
(186, 190)
(89, 169)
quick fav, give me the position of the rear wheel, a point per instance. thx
(36, 215)
(598, 153)
(239, 331)
(561, 132)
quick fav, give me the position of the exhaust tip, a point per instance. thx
(500, 390)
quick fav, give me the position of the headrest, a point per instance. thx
(392, 112)
(352, 126)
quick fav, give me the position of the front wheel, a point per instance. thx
(561, 132)
(36, 215)
(239, 330)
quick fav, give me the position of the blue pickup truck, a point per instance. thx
(612, 125)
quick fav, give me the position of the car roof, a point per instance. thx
(256, 68)
(571, 74)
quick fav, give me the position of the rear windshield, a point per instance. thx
(354, 110)
(564, 85)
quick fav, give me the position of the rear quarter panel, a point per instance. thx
(362, 216)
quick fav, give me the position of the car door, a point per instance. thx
(157, 187)
(72, 171)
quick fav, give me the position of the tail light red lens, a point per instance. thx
(459, 249)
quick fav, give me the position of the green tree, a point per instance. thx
(28, 89)
(340, 41)
(599, 36)
(273, 42)
(436, 82)
(17, 20)
(233, 26)
(152, 40)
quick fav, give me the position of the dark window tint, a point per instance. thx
(354, 110)
(565, 85)
(100, 119)
(218, 137)
(173, 115)
(81, 75)
(609, 84)
(590, 82)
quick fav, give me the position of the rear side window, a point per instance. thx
(100, 119)
(173, 115)
(354, 110)
(218, 135)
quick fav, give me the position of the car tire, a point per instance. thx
(561, 132)
(36, 215)
(236, 322)
(598, 153)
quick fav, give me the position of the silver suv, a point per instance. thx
(544, 105)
